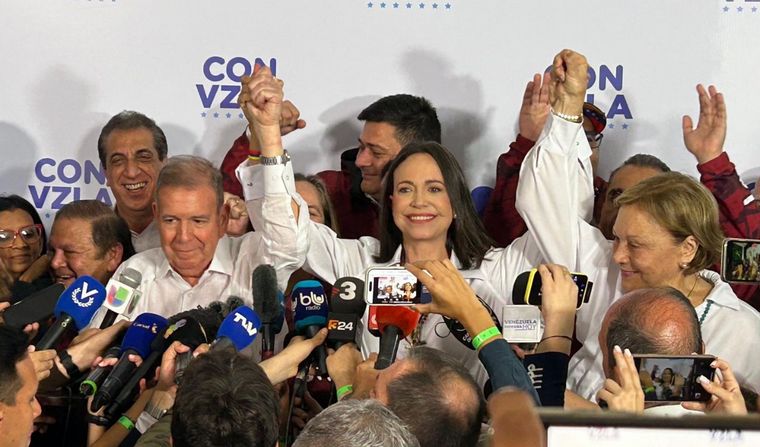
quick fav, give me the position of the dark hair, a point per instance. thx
(13, 343)
(108, 229)
(128, 120)
(331, 219)
(466, 236)
(414, 118)
(14, 202)
(225, 399)
(442, 390)
(642, 161)
(640, 319)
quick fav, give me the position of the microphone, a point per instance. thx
(237, 331)
(264, 289)
(122, 295)
(311, 315)
(76, 306)
(38, 306)
(346, 309)
(395, 322)
(187, 330)
(137, 340)
(92, 382)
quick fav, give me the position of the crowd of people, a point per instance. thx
(648, 238)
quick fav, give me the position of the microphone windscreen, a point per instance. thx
(348, 296)
(232, 303)
(520, 287)
(241, 326)
(264, 290)
(207, 317)
(131, 277)
(310, 304)
(402, 317)
(81, 300)
(141, 333)
(277, 323)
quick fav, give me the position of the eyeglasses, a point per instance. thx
(594, 139)
(30, 234)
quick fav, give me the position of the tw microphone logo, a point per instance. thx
(247, 325)
(83, 296)
(312, 301)
(338, 325)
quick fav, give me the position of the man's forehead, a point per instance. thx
(130, 139)
(71, 231)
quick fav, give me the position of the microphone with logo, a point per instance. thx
(122, 295)
(267, 305)
(186, 329)
(76, 307)
(346, 309)
(311, 315)
(395, 323)
(137, 341)
(237, 332)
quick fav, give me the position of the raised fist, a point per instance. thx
(567, 89)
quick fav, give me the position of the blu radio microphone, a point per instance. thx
(121, 295)
(311, 315)
(395, 323)
(137, 341)
(237, 331)
(264, 289)
(347, 306)
(75, 308)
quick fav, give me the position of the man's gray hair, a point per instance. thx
(356, 423)
(190, 171)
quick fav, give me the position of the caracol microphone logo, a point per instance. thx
(221, 84)
(55, 180)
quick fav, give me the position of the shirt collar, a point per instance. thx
(222, 261)
(721, 293)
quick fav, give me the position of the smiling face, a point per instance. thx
(132, 166)
(647, 254)
(23, 251)
(190, 223)
(420, 202)
(377, 146)
(74, 253)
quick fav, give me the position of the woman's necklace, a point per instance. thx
(707, 306)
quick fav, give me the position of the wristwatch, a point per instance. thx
(271, 161)
(155, 411)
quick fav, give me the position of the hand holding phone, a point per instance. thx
(394, 286)
(726, 396)
(674, 379)
(624, 391)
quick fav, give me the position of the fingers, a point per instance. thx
(4, 305)
(558, 68)
(687, 125)
(694, 406)
(544, 93)
(319, 338)
(201, 349)
(729, 380)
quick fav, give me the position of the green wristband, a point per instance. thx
(342, 391)
(125, 422)
(485, 335)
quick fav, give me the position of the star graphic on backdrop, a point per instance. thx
(369, 5)
(229, 115)
(395, 5)
(382, 5)
(625, 126)
(422, 6)
(216, 114)
(203, 114)
(740, 9)
(47, 215)
(240, 115)
(611, 126)
(435, 5)
(725, 9)
(408, 5)
(754, 9)
(448, 5)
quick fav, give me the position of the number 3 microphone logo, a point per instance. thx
(348, 291)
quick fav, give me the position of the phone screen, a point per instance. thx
(581, 280)
(741, 259)
(395, 287)
(673, 379)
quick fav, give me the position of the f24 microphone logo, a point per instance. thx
(83, 297)
(247, 325)
(337, 325)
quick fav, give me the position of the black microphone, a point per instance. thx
(266, 304)
(92, 382)
(75, 307)
(396, 323)
(122, 295)
(346, 309)
(311, 315)
(36, 307)
(137, 341)
(182, 327)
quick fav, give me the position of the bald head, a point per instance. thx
(650, 321)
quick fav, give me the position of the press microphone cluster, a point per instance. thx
(268, 304)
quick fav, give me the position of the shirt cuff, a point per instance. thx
(144, 422)
(564, 136)
(258, 180)
(720, 165)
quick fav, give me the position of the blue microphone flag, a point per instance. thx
(241, 326)
(81, 300)
(141, 333)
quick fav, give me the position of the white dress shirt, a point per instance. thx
(166, 293)
(553, 159)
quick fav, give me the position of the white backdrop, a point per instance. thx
(68, 65)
